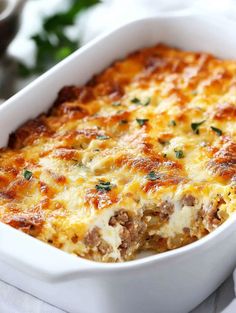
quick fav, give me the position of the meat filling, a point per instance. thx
(140, 232)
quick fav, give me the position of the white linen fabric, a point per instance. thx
(103, 17)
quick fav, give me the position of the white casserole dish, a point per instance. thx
(172, 282)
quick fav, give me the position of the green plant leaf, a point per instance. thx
(52, 44)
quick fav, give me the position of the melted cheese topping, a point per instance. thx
(141, 158)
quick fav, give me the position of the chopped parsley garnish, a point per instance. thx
(142, 121)
(137, 101)
(27, 174)
(116, 104)
(102, 137)
(153, 176)
(172, 123)
(104, 186)
(179, 154)
(195, 127)
(217, 130)
(122, 122)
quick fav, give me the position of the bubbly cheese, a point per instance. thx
(142, 158)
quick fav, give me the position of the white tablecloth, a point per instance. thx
(94, 22)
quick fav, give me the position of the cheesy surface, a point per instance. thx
(141, 158)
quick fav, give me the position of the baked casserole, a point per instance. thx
(142, 158)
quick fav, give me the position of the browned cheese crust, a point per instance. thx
(143, 157)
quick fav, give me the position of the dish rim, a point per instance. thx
(147, 260)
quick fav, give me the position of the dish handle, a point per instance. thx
(38, 259)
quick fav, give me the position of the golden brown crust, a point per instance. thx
(223, 162)
(29, 223)
(28, 133)
(141, 157)
(225, 111)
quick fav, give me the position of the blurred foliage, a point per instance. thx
(52, 44)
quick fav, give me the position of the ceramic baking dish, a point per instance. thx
(174, 281)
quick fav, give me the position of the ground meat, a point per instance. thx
(93, 240)
(186, 230)
(93, 237)
(132, 235)
(104, 247)
(162, 211)
(126, 239)
(188, 200)
(166, 208)
(210, 216)
(121, 217)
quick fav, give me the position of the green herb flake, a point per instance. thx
(194, 92)
(172, 123)
(27, 174)
(152, 176)
(103, 186)
(195, 127)
(217, 130)
(137, 101)
(102, 137)
(116, 104)
(52, 42)
(142, 121)
(179, 154)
